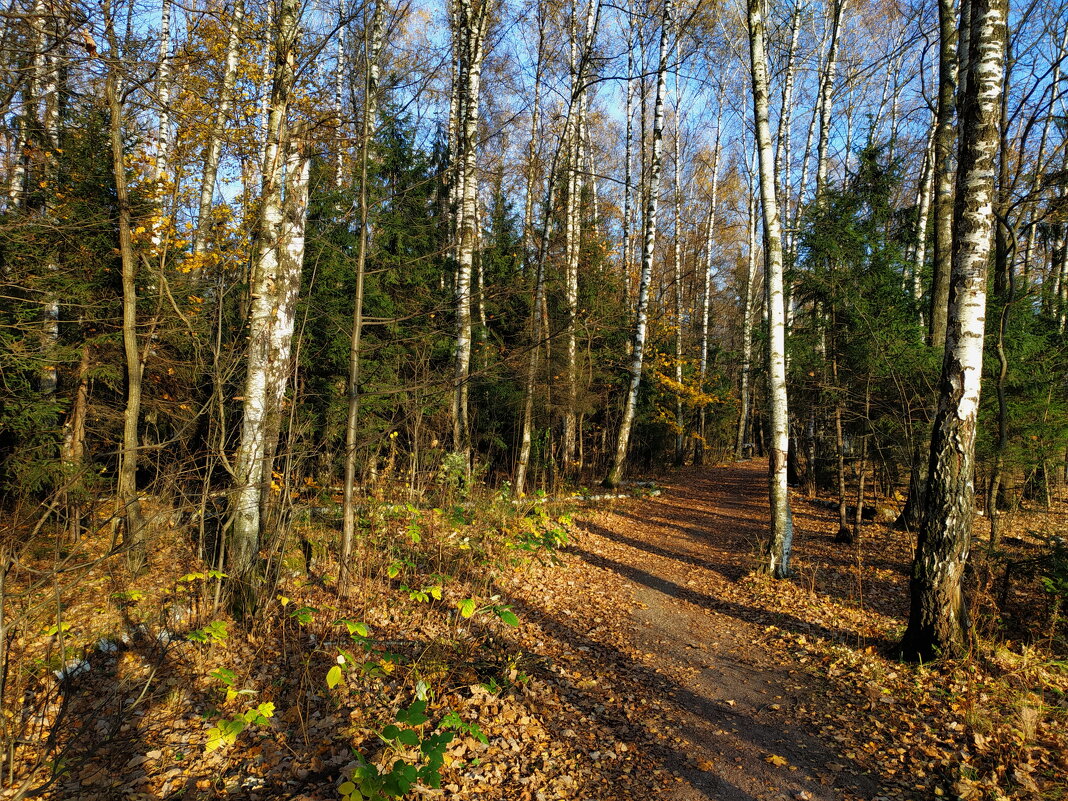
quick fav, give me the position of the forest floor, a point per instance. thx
(649, 661)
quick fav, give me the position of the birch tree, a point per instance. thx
(777, 552)
(274, 284)
(938, 617)
(213, 147)
(470, 19)
(581, 46)
(615, 473)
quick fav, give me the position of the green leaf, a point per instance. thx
(408, 737)
(266, 709)
(391, 732)
(226, 676)
(346, 788)
(508, 617)
(467, 607)
(436, 592)
(333, 677)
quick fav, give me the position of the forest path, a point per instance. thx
(731, 717)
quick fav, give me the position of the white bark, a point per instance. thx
(706, 294)
(745, 390)
(615, 475)
(779, 544)
(471, 18)
(273, 288)
(782, 142)
(938, 617)
(925, 190)
(827, 96)
(581, 47)
(163, 93)
(213, 148)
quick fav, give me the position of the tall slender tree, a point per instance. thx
(777, 552)
(619, 459)
(938, 615)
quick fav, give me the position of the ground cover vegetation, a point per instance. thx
(321, 326)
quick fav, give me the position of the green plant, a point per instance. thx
(228, 729)
(214, 632)
(419, 755)
(228, 679)
(468, 607)
(424, 594)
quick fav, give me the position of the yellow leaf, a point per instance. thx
(774, 759)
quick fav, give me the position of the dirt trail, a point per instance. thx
(738, 713)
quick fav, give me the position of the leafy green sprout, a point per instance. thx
(369, 783)
(213, 633)
(468, 607)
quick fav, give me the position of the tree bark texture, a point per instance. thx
(273, 290)
(938, 615)
(777, 554)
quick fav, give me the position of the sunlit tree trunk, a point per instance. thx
(628, 157)
(938, 619)
(777, 553)
(923, 214)
(827, 97)
(273, 287)
(581, 47)
(470, 20)
(783, 139)
(706, 294)
(745, 390)
(532, 260)
(680, 423)
(213, 148)
(945, 136)
(615, 473)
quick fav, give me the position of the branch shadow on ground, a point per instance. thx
(765, 737)
(730, 608)
(725, 513)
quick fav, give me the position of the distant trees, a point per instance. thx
(469, 281)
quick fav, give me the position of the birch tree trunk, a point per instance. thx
(581, 47)
(628, 156)
(945, 136)
(680, 427)
(372, 46)
(471, 18)
(273, 287)
(213, 148)
(782, 141)
(747, 328)
(827, 96)
(529, 260)
(615, 473)
(777, 552)
(706, 295)
(923, 214)
(938, 618)
(163, 93)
